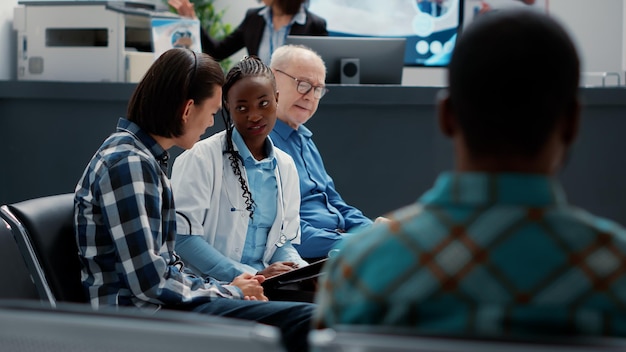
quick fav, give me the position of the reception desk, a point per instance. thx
(380, 143)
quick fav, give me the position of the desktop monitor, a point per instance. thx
(357, 60)
(430, 27)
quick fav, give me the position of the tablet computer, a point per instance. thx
(300, 274)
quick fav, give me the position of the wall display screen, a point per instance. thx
(429, 26)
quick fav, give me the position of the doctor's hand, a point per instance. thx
(277, 268)
(183, 7)
(251, 287)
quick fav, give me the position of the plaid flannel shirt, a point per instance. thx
(126, 225)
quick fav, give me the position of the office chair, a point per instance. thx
(44, 231)
(15, 279)
(28, 327)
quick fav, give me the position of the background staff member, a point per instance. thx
(262, 30)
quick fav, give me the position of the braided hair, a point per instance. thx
(250, 66)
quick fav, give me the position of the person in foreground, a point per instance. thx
(494, 247)
(125, 215)
(237, 197)
(326, 218)
(262, 30)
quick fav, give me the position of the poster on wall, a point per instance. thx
(429, 26)
(168, 33)
(475, 8)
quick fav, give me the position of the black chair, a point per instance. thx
(367, 338)
(28, 327)
(44, 231)
(16, 281)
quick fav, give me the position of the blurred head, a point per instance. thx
(513, 86)
(178, 96)
(250, 99)
(293, 64)
(287, 7)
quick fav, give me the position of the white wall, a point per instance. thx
(624, 39)
(597, 26)
(598, 30)
(7, 40)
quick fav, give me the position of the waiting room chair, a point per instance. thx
(44, 231)
(15, 279)
(28, 327)
(363, 338)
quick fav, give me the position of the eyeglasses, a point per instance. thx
(304, 87)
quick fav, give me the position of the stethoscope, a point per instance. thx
(282, 238)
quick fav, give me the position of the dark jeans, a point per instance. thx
(292, 318)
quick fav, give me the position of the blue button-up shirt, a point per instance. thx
(325, 217)
(264, 189)
(272, 38)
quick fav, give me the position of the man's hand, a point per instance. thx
(278, 268)
(251, 287)
(381, 219)
(183, 7)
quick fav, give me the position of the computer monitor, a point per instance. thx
(430, 27)
(366, 60)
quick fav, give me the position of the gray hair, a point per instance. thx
(286, 54)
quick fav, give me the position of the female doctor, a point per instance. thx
(237, 197)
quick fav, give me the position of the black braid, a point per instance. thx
(250, 66)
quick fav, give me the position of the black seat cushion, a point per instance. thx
(49, 222)
(14, 275)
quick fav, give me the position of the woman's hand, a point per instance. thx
(251, 287)
(183, 7)
(278, 268)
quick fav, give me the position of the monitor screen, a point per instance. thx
(366, 60)
(430, 27)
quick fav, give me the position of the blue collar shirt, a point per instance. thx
(325, 217)
(263, 186)
(272, 38)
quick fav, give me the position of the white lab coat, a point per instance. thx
(208, 193)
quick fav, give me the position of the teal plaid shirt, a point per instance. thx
(487, 255)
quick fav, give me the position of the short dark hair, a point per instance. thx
(290, 7)
(179, 74)
(512, 76)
